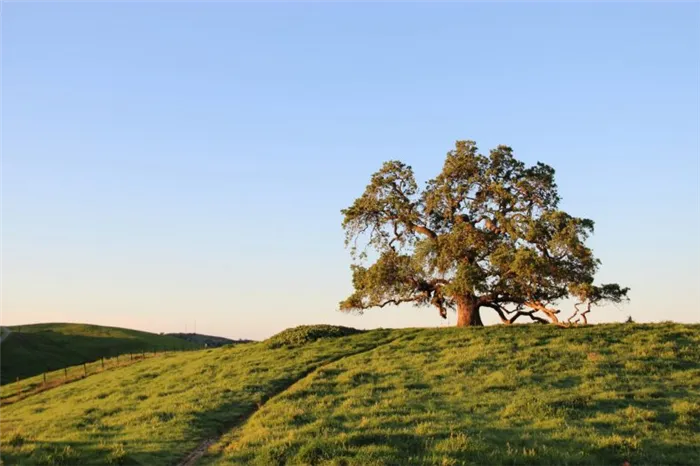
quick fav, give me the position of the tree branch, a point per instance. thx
(499, 310)
(424, 230)
(438, 281)
(397, 236)
(530, 314)
(583, 314)
(576, 312)
(503, 311)
(538, 306)
(393, 301)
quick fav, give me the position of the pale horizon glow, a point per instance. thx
(166, 163)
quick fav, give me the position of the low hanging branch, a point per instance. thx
(551, 313)
(501, 311)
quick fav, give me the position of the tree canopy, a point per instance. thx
(484, 233)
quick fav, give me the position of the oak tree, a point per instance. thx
(486, 233)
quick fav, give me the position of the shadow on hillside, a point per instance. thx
(630, 432)
(236, 411)
(517, 445)
(106, 450)
(480, 445)
(29, 354)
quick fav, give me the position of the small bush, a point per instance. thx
(303, 334)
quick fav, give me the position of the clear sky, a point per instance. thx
(171, 162)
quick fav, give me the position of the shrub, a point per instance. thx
(303, 334)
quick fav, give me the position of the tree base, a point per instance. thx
(468, 313)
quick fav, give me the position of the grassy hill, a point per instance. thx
(32, 349)
(206, 340)
(497, 395)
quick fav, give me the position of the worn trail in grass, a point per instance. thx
(158, 411)
(497, 395)
(202, 448)
(518, 395)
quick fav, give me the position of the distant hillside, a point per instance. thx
(32, 349)
(207, 340)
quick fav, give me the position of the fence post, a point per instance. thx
(44, 378)
(84, 370)
(19, 389)
(131, 356)
(103, 363)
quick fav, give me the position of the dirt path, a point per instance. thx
(194, 456)
(4, 332)
(198, 452)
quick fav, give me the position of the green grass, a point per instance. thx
(207, 340)
(13, 392)
(33, 349)
(155, 411)
(497, 395)
(305, 334)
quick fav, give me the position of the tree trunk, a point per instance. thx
(468, 312)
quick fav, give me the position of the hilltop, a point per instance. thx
(32, 349)
(208, 341)
(525, 394)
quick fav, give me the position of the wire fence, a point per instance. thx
(23, 388)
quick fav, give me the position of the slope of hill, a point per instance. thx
(208, 341)
(32, 349)
(497, 395)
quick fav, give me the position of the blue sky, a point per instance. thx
(171, 162)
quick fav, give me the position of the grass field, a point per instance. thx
(33, 349)
(16, 391)
(206, 340)
(497, 395)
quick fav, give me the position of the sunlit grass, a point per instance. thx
(519, 395)
(497, 395)
(155, 411)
